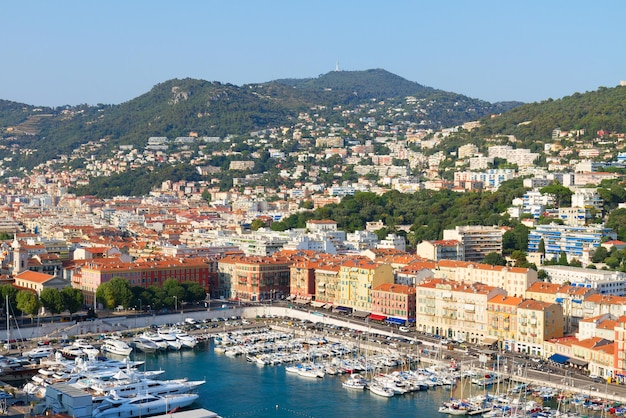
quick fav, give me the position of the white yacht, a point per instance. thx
(355, 382)
(129, 385)
(145, 345)
(155, 338)
(116, 346)
(187, 340)
(39, 352)
(170, 338)
(380, 390)
(142, 405)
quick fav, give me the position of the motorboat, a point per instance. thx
(380, 390)
(186, 339)
(116, 346)
(155, 338)
(39, 352)
(170, 338)
(142, 405)
(129, 385)
(145, 345)
(354, 382)
(79, 348)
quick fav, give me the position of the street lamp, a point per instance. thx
(140, 306)
(175, 302)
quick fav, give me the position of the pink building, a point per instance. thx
(395, 303)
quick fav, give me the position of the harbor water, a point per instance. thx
(237, 388)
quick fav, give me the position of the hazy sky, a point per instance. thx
(72, 52)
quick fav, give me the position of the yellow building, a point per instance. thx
(502, 321)
(454, 310)
(357, 278)
(536, 322)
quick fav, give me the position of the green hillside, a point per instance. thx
(603, 109)
(177, 107)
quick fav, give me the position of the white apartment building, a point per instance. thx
(393, 241)
(587, 198)
(604, 281)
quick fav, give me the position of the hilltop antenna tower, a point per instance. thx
(337, 66)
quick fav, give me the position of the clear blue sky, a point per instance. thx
(73, 52)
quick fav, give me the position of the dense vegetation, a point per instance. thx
(118, 292)
(603, 109)
(427, 212)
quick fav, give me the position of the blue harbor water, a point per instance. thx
(237, 388)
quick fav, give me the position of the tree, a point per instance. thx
(543, 275)
(11, 292)
(612, 262)
(542, 247)
(617, 222)
(562, 259)
(114, 293)
(28, 302)
(73, 299)
(52, 300)
(520, 259)
(193, 291)
(174, 293)
(562, 194)
(256, 224)
(599, 254)
(495, 259)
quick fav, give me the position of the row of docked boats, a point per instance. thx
(164, 339)
(82, 348)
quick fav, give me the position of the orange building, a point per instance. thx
(89, 275)
(254, 278)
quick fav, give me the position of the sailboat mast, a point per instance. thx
(6, 305)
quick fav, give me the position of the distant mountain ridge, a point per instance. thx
(180, 106)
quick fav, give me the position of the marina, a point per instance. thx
(287, 367)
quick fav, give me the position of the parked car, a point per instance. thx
(404, 329)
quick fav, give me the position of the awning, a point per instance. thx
(558, 358)
(291, 297)
(558, 300)
(316, 304)
(376, 317)
(342, 309)
(577, 362)
(301, 301)
(328, 306)
(397, 321)
(489, 340)
(360, 314)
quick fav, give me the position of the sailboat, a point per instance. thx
(15, 369)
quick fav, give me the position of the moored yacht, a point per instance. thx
(145, 345)
(142, 405)
(155, 338)
(116, 346)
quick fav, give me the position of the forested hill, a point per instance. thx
(177, 107)
(602, 109)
